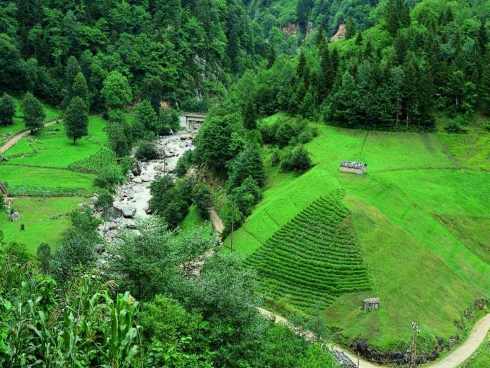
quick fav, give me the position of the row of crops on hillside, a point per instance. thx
(312, 259)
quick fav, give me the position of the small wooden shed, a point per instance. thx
(353, 167)
(370, 304)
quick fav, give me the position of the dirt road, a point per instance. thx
(12, 141)
(453, 360)
(218, 225)
(472, 343)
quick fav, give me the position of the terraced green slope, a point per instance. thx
(312, 259)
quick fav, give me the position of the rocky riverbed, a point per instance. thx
(131, 201)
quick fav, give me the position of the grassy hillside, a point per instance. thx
(48, 176)
(421, 217)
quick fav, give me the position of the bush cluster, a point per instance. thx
(287, 132)
(171, 198)
(109, 177)
(146, 151)
(296, 159)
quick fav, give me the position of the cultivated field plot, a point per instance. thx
(312, 259)
(421, 218)
(49, 176)
(44, 219)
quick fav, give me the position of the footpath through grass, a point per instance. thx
(421, 217)
(8, 131)
(49, 176)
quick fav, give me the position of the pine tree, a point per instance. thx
(250, 115)
(71, 71)
(76, 119)
(7, 110)
(397, 15)
(33, 113)
(80, 89)
(303, 10)
(344, 102)
(320, 39)
(350, 28)
(300, 70)
(325, 78)
(247, 164)
(485, 86)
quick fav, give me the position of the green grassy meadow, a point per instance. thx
(45, 219)
(421, 218)
(49, 176)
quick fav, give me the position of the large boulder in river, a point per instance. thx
(136, 170)
(128, 212)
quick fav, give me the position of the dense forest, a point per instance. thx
(416, 61)
(179, 51)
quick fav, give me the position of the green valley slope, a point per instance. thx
(421, 217)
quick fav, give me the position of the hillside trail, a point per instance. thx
(216, 221)
(12, 141)
(453, 360)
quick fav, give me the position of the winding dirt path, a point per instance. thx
(453, 360)
(218, 224)
(12, 141)
(466, 350)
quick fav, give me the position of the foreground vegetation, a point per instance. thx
(66, 310)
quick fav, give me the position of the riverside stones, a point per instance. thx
(128, 212)
(131, 201)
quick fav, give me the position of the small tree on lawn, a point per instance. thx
(33, 113)
(7, 110)
(76, 119)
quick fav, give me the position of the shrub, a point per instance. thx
(457, 125)
(77, 247)
(202, 199)
(171, 200)
(146, 151)
(104, 201)
(7, 110)
(119, 133)
(306, 135)
(275, 157)
(284, 134)
(168, 122)
(108, 177)
(246, 195)
(184, 164)
(297, 159)
(268, 133)
(44, 256)
(247, 164)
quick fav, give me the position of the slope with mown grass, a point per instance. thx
(416, 214)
